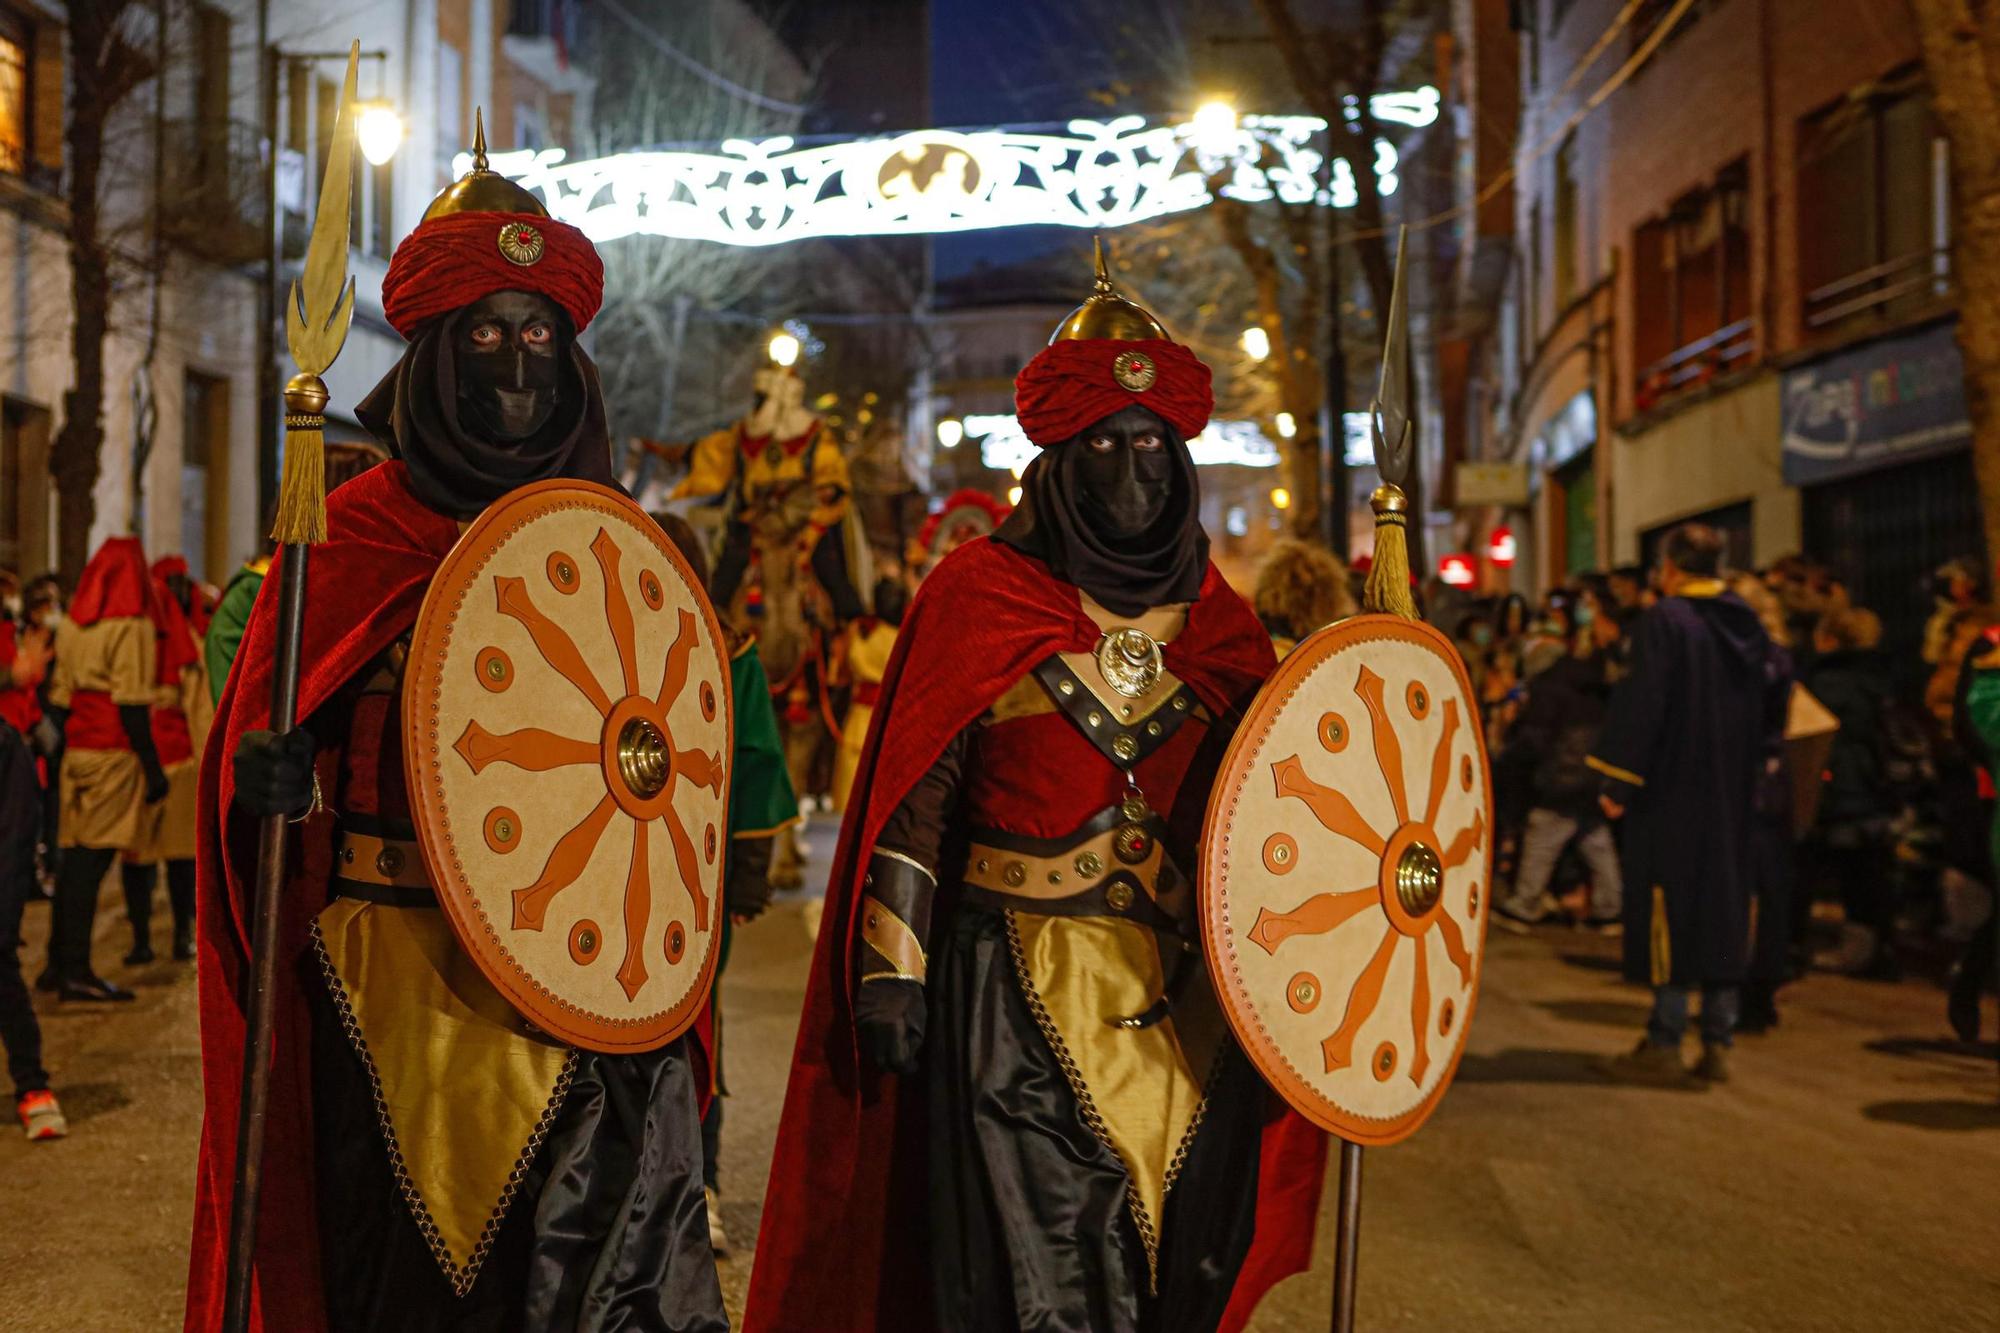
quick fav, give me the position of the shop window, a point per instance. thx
(1874, 199)
(16, 93)
(1691, 289)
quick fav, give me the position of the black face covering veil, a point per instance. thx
(414, 412)
(1163, 564)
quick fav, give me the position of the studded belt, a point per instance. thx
(380, 869)
(1114, 865)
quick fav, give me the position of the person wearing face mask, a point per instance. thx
(432, 1161)
(1013, 1093)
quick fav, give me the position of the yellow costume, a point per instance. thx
(869, 643)
(99, 668)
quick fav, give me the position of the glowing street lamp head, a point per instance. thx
(950, 432)
(380, 132)
(1256, 343)
(1214, 125)
(1287, 425)
(784, 349)
(1280, 498)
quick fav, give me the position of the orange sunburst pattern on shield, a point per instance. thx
(1412, 860)
(634, 748)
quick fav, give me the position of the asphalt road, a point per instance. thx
(1849, 1179)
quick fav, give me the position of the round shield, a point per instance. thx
(566, 726)
(1346, 874)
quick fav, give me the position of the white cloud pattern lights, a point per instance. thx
(1100, 174)
(1002, 443)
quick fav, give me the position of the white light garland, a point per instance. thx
(1003, 445)
(1101, 175)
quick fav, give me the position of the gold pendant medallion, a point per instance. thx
(1130, 661)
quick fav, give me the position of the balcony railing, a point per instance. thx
(1924, 272)
(212, 195)
(1697, 363)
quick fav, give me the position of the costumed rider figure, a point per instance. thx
(791, 491)
(1013, 1092)
(432, 1162)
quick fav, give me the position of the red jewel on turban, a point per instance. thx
(1076, 383)
(451, 261)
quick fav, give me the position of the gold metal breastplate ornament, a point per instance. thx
(1130, 660)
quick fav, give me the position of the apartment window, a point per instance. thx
(1566, 237)
(16, 56)
(204, 456)
(1874, 207)
(24, 453)
(1691, 288)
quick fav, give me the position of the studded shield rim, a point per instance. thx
(634, 762)
(1414, 893)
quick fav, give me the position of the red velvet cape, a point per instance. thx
(843, 1247)
(364, 586)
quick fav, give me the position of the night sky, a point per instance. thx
(1021, 63)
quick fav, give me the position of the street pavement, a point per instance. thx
(1848, 1179)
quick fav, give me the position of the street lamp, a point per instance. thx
(784, 349)
(1280, 498)
(951, 431)
(1287, 425)
(1215, 126)
(1256, 342)
(379, 130)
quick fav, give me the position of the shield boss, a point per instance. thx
(1346, 875)
(566, 718)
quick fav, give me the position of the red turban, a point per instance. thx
(451, 261)
(1078, 382)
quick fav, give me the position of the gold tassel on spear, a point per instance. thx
(316, 319)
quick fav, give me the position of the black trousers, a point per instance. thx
(139, 882)
(77, 882)
(20, 807)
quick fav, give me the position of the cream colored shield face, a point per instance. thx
(1346, 873)
(567, 738)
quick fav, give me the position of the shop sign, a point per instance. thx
(1886, 401)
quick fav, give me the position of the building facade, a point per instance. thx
(1728, 295)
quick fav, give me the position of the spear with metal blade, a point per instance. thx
(316, 318)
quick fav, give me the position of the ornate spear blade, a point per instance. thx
(1389, 414)
(317, 316)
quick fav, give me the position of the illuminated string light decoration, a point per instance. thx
(1002, 443)
(1100, 174)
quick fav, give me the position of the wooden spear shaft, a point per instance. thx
(317, 315)
(1346, 1236)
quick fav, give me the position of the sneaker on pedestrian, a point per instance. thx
(40, 1116)
(1649, 1065)
(1713, 1067)
(718, 1239)
(90, 987)
(1531, 913)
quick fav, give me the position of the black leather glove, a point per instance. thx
(137, 719)
(889, 1023)
(274, 773)
(748, 892)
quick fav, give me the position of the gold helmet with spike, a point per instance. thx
(482, 189)
(1106, 314)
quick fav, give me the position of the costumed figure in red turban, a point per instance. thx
(101, 694)
(1014, 1103)
(432, 1161)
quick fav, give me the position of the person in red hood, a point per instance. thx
(1014, 1103)
(431, 1161)
(182, 711)
(101, 693)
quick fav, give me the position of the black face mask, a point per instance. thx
(507, 347)
(1124, 472)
